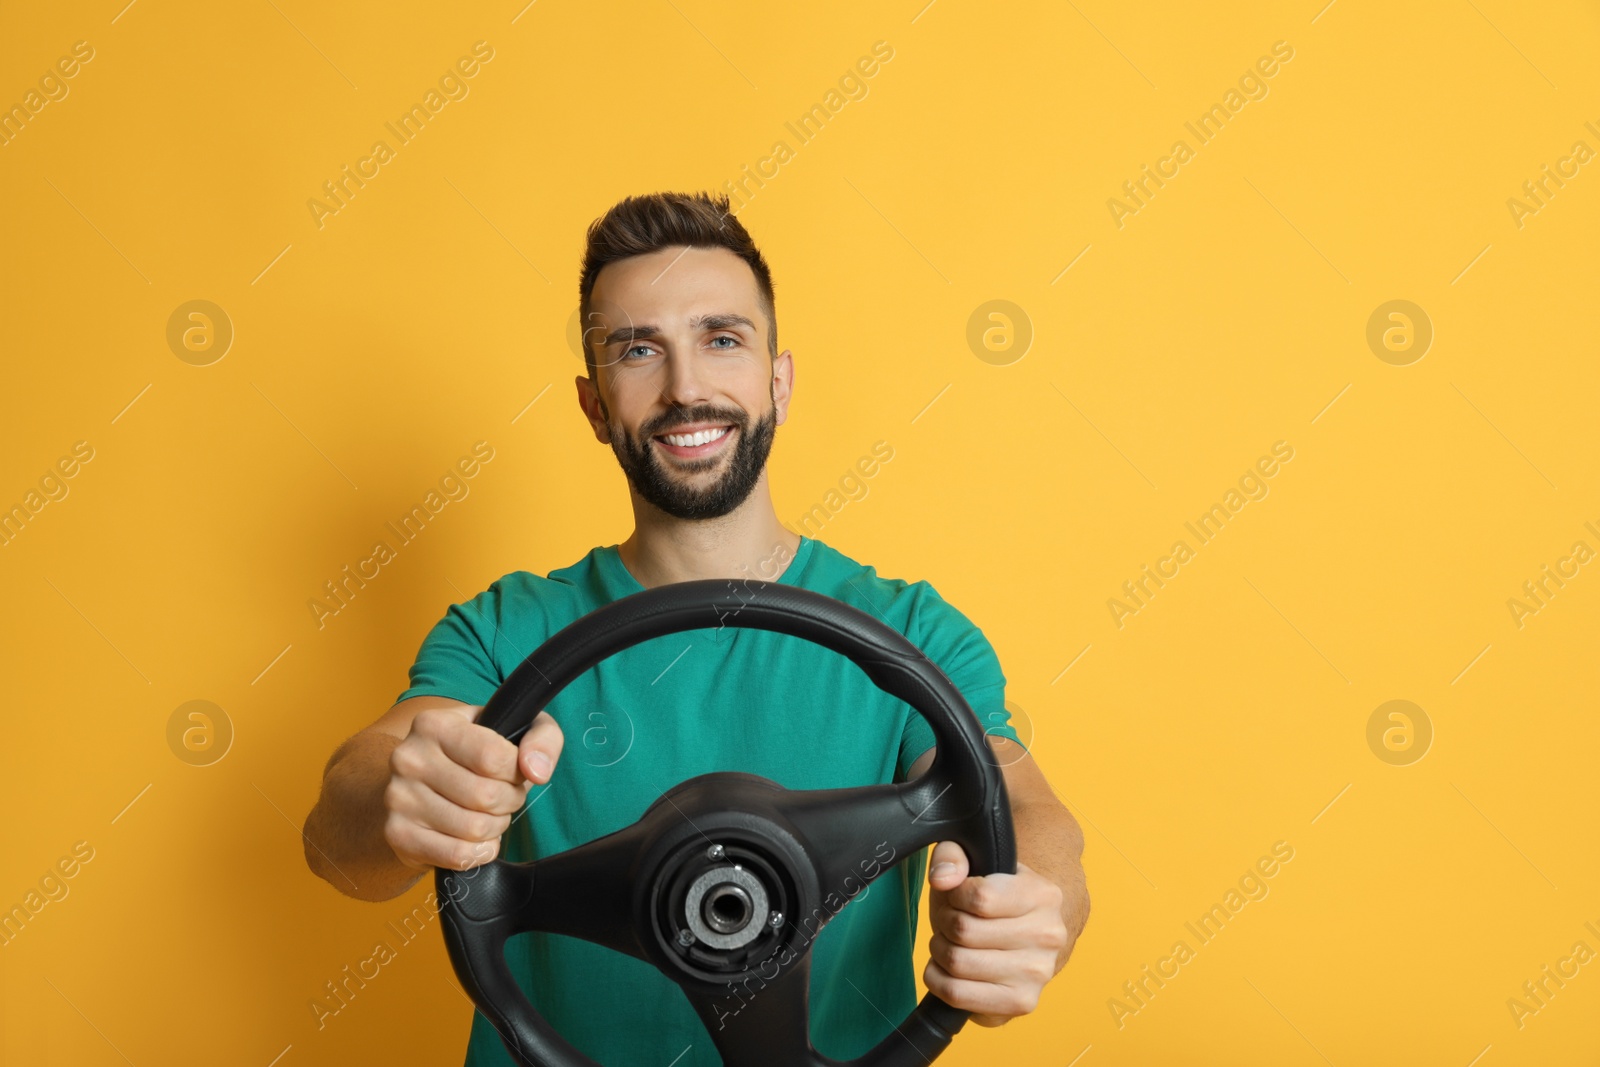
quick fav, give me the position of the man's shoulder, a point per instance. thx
(521, 591)
(908, 605)
(916, 609)
(835, 574)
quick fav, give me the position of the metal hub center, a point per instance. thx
(726, 907)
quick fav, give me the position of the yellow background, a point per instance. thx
(1228, 314)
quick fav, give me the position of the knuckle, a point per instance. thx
(501, 759)
(394, 796)
(484, 794)
(405, 760)
(485, 827)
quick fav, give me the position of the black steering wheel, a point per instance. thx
(722, 920)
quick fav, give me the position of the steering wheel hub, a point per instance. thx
(713, 909)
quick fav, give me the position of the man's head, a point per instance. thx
(679, 335)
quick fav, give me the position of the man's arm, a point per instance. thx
(1049, 838)
(966, 959)
(423, 786)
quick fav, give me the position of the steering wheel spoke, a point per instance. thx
(586, 892)
(855, 834)
(763, 1016)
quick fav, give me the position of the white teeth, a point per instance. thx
(690, 440)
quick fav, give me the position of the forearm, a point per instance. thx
(344, 834)
(1050, 841)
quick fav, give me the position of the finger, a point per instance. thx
(428, 808)
(480, 750)
(947, 866)
(466, 789)
(540, 748)
(418, 845)
(973, 931)
(977, 964)
(978, 997)
(992, 896)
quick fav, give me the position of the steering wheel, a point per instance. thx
(723, 920)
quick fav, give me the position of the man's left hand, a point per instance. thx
(997, 938)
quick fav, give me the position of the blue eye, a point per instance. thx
(726, 337)
(636, 348)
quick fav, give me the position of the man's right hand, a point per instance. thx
(454, 786)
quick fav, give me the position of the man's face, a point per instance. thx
(685, 392)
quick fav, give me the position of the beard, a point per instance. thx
(671, 492)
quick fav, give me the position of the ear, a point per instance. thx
(782, 384)
(594, 408)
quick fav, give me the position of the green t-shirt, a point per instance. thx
(673, 707)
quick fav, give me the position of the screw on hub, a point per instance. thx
(685, 938)
(715, 852)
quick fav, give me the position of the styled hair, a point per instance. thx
(639, 225)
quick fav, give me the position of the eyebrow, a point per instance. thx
(703, 322)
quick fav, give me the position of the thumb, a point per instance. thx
(948, 865)
(540, 749)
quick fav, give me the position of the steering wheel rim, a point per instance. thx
(625, 889)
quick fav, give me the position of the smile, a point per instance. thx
(690, 445)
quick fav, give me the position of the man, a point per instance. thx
(686, 385)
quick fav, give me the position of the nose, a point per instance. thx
(686, 384)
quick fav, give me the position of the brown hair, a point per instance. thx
(638, 225)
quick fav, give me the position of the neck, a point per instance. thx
(748, 542)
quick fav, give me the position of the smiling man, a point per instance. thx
(686, 384)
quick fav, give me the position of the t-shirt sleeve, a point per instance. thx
(456, 659)
(959, 649)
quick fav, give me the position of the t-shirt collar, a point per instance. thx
(620, 582)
